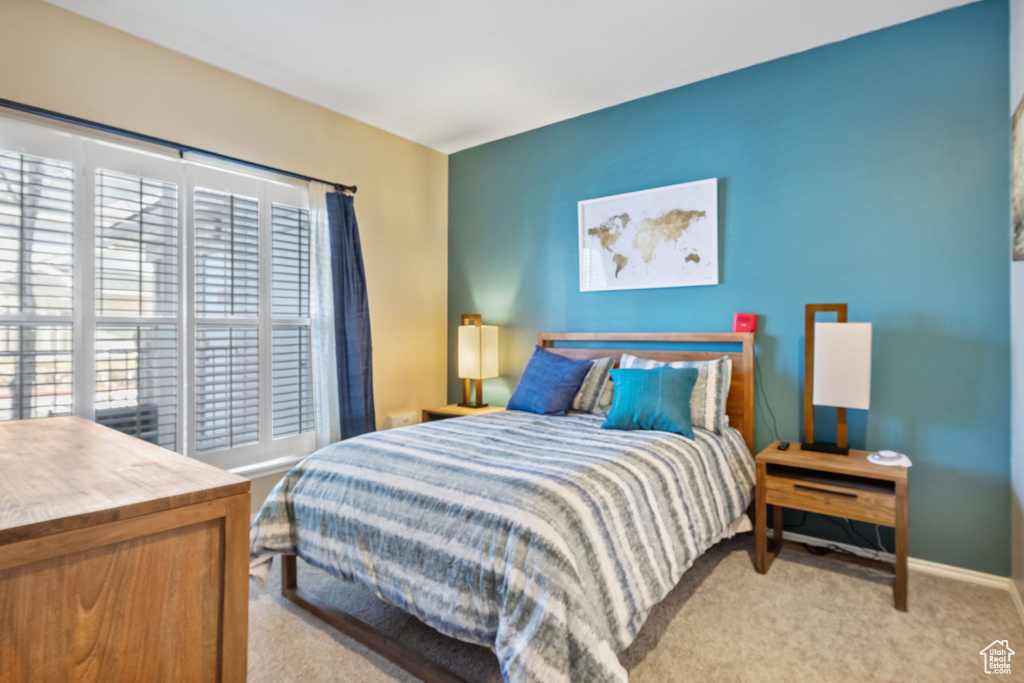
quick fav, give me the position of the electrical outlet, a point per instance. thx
(403, 419)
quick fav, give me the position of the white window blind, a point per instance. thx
(36, 234)
(227, 254)
(136, 245)
(133, 291)
(137, 292)
(35, 370)
(227, 386)
(292, 365)
(291, 261)
(137, 381)
(293, 380)
(36, 281)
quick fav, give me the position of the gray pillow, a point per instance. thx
(595, 394)
(710, 393)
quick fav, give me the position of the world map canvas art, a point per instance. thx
(665, 237)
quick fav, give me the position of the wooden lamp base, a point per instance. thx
(824, 447)
(479, 403)
(841, 447)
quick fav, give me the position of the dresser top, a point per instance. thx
(61, 473)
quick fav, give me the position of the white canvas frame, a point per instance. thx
(590, 281)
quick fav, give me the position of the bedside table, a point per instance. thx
(840, 485)
(455, 410)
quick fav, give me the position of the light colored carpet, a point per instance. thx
(808, 618)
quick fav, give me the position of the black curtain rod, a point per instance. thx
(86, 123)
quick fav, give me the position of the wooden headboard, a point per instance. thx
(740, 406)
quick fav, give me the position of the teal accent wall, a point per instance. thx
(874, 171)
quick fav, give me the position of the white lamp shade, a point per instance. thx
(478, 351)
(842, 365)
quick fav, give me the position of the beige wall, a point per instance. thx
(61, 61)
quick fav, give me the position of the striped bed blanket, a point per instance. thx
(544, 538)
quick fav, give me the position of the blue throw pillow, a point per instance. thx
(656, 399)
(548, 384)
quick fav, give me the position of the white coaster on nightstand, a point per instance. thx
(889, 459)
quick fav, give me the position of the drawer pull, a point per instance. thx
(817, 490)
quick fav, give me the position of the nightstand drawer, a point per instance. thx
(867, 504)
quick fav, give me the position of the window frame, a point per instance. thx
(89, 154)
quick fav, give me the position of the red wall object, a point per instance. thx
(744, 322)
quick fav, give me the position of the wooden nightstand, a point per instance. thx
(840, 485)
(455, 410)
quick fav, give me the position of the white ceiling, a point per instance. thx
(452, 74)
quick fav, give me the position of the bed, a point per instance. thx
(545, 538)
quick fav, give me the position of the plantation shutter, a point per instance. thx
(293, 380)
(36, 279)
(227, 386)
(227, 254)
(290, 229)
(162, 297)
(137, 381)
(136, 246)
(291, 362)
(136, 276)
(35, 370)
(227, 370)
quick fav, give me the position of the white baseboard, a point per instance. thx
(1015, 593)
(951, 572)
(265, 469)
(847, 547)
(923, 566)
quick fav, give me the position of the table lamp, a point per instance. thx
(837, 372)
(478, 356)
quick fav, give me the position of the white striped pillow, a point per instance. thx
(595, 394)
(710, 393)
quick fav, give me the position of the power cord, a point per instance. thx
(764, 399)
(849, 529)
(878, 537)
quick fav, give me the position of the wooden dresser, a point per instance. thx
(119, 560)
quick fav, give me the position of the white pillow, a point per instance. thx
(595, 393)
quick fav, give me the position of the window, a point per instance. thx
(137, 381)
(136, 274)
(35, 370)
(36, 229)
(227, 254)
(227, 386)
(227, 286)
(291, 261)
(36, 235)
(293, 380)
(163, 298)
(292, 364)
(136, 246)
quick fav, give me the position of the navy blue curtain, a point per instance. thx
(351, 319)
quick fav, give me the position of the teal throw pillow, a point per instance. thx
(657, 399)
